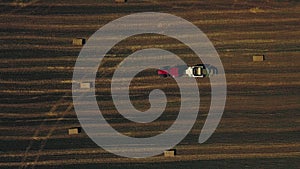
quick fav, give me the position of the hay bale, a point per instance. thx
(85, 85)
(258, 58)
(22, 3)
(78, 41)
(74, 130)
(256, 10)
(170, 153)
(120, 1)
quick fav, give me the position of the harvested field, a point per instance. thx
(260, 127)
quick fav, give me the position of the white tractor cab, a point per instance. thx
(201, 70)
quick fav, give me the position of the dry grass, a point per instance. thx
(262, 97)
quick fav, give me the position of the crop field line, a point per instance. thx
(161, 159)
(162, 124)
(70, 17)
(33, 60)
(35, 91)
(226, 147)
(38, 69)
(37, 82)
(157, 37)
(187, 14)
(38, 26)
(31, 105)
(76, 4)
(265, 9)
(31, 37)
(35, 46)
(223, 34)
(253, 84)
(20, 5)
(37, 132)
(148, 133)
(271, 41)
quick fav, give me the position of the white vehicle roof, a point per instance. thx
(198, 71)
(189, 71)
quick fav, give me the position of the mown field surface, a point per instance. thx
(260, 127)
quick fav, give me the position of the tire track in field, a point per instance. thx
(36, 133)
(44, 142)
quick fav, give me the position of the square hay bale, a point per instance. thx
(78, 41)
(256, 10)
(85, 85)
(170, 153)
(258, 58)
(120, 1)
(74, 130)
